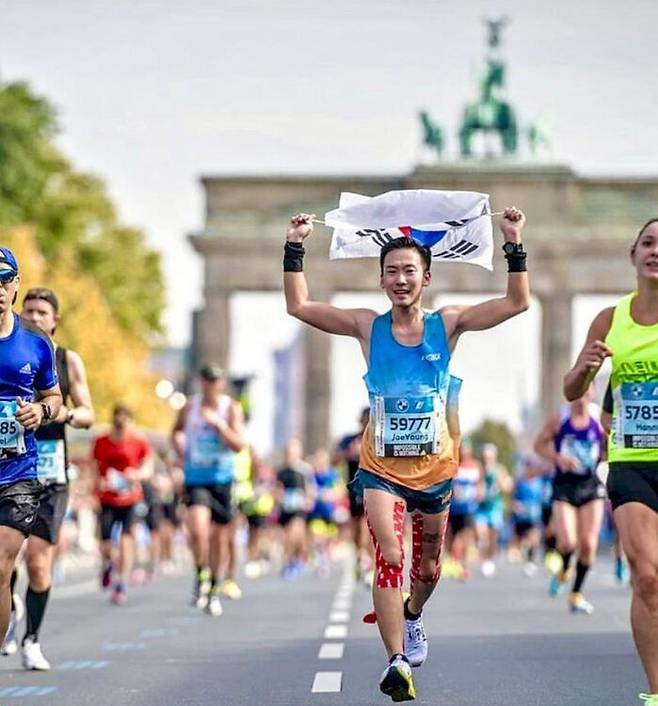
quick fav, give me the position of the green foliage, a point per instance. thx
(27, 158)
(130, 276)
(75, 221)
(497, 433)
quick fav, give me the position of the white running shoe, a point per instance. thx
(10, 644)
(488, 569)
(32, 658)
(415, 641)
(214, 606)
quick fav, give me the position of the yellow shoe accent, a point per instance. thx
(578, 604)
(649, 699)
(398, 683)
(231, 590)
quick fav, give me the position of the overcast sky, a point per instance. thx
(153, 94)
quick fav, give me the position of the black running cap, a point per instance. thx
(211, 372)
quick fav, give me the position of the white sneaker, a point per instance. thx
(415, 641)
(252, 569)
(32, 658)
(214, 606)
(488, 568)
(10, 644)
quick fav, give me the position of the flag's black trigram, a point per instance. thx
(379, 235)
(455, 252)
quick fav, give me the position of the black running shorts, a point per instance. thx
(632, 482)
(110, 515)
(357, 507)
(457, 523)
(577, 491)
(52, 509)
(523, 527)
(19, 503)
(218, 497)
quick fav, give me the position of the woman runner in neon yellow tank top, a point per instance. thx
(628, 333)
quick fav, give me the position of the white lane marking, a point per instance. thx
(331, 650)
(341, 596)
(327, 682)
(28, 690)
(339, 616)
(341, 604)
(335, 632)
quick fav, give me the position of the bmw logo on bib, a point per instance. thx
(402, 405)
(636, 390)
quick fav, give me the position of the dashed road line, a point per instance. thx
(28, 691)
(327, 682)
(335, 632)
(339, 616)
(332, 682)
(331, 650)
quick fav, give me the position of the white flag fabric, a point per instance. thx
(455, 225)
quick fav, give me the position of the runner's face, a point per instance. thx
(41, 314)
(121, 421)
(7, 290)
(404, 277)
(645, 256)
(211, 388)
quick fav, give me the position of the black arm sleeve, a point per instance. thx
(607, 399)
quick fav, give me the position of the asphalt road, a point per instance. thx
(498, 642)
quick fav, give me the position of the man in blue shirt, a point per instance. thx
(29, 397)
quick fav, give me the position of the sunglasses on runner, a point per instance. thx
(7, 276)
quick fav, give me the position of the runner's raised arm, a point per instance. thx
(492, 312)
(328, 318)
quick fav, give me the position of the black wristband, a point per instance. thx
(293, 257)
(516, 260)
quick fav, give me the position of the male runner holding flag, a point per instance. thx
(408, 456)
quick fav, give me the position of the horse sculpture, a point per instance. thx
(433, 135)
(490, 113)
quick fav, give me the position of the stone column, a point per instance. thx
(317, 392)
(214, 329)
(555, 349)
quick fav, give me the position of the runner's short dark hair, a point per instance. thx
(404, 242)
(121, 408)
(42, 293)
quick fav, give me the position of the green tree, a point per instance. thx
(27, 157)
(75, 221)
(498, 433)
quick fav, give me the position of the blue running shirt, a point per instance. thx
(27, 365)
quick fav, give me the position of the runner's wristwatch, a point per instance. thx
(512, 248)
